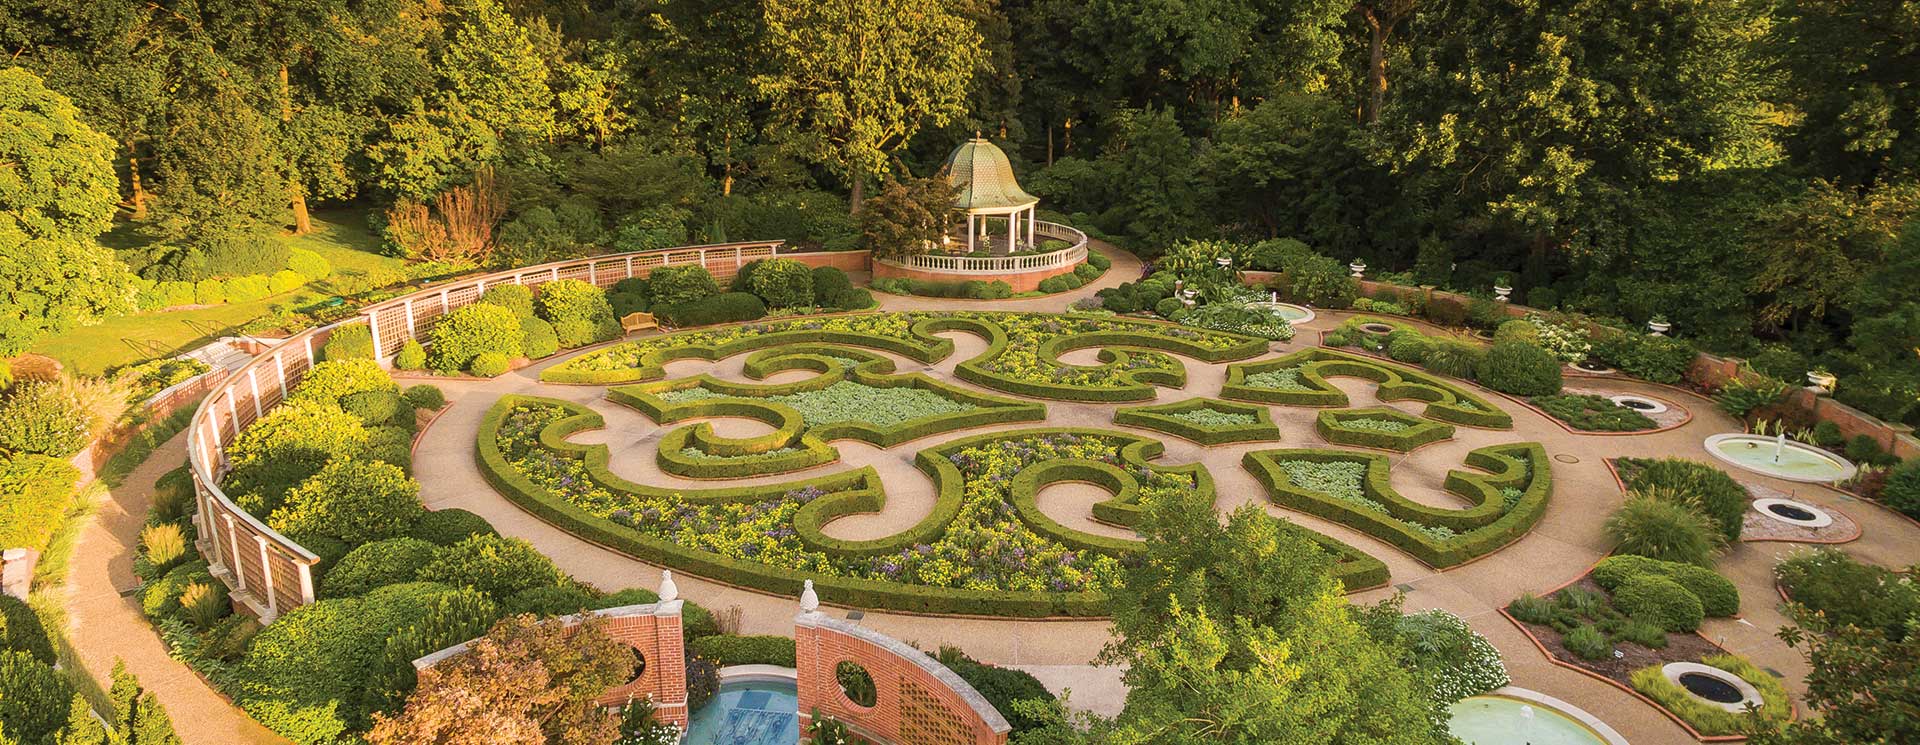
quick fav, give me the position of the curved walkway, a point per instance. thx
(105, 622)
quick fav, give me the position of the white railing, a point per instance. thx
(1074, 253)
(271, 573)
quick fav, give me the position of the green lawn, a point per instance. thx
(341, 236)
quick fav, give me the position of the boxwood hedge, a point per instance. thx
(1173, 419)
(1349, 427)
(1445, 401)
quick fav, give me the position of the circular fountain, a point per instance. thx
(1641, 404)
(1798, 514)
(1780, 458)
(1294, 314)
(1712, 686)
(1512, 715)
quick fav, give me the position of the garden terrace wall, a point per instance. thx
(268, 573)
(916, 699)
(1023, 273)
(654, 631)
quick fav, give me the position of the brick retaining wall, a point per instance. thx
(1021, 281)
(917, 700)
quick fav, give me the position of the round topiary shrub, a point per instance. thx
(579, 312)
(42, 417)
(538, 338)
(378, 564)
(374, 407)
(412, 356)
(1661, 602)
(489, 365)
(334, 380)
(783, 283)
(352, 500)
(349, 343)
(468, 332)
(1718, 596)
(516, 298)
(1520, 369)
(499, 567)
(1411, 348)
(426, 397)
(308, 264)
(829, 286)
(679, 284)
(34, 698)
(450, 526)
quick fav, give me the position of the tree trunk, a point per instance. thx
(139, 191)
(1049, 144)
(302, 222)
(1376, 65)
(858, 195)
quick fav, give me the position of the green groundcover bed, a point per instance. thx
(1300, 379)
(1022, 356)
(986, 549)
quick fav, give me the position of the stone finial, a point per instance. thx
(809, 601)
(668, 590)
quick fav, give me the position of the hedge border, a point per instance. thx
(848, 493)
(1136, 385)
(1332, 426)
(650, 365)
(1397, 383)
(1481, 529)
(1161, 418)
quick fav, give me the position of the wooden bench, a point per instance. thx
(634, 322)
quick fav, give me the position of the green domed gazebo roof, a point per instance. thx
(985, 178)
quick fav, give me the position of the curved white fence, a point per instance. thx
(1074, 253)
(271, 573)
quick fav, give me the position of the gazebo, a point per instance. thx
(988, 191)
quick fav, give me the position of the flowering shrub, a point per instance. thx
(1456, 660)
(1566, 342)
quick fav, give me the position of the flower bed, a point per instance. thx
(985, 549)
(1379, 427)
(1023, 356)
(1203, 420)
(1353, 488)
(1591, 413)
(1300, 379)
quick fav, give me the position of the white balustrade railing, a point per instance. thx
(270, 572)
(1074, 253)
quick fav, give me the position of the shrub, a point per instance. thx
(680, 284)
(354, 501)
(470, 331)
(539, 339)
(1531, 608)
(452, 618)
(1517, 330)
(209, 292)
(163, 545)
(248, 288)
(245, 253)
(160, 598)
(727, 650)
(1543, 298)
(579, 312)
(283, 448)
(1592, 413)
(516, 298)
(1052, 285)
(1519, 369)
(829, 286)
(306, 675)
(1659, 601)
(389, 444)
(35, 491)
(374, 408)
(625, 303)
(412, 356)
(1707, 489)
(499, 567)
(1000, 686)
(1661, 359)
(1446, 312)
(425, 397)
(285, 280)
(549, 600)
(489, 365)
(1850, 592)
(1318, 280)
(175, 293)
(450, 526)
(1718, 596)
(1743, 395)
(204, 603)
(333, 381)
(782, 283)
(1409, 348)
(20, 630)
(1587, 643)
(1902, 490)
(1454, 359)
(378, 564)
(1664, 528)
(42, 417)
(855, 299)
(1086, 272)
(1828, 435)
(312, 266)
(1864, 449)
(34, 698)
(723, 308)
(634, 286)
(1456, 661)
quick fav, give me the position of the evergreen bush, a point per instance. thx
(1659, 601)
(1519, 369)
(783, 283)
(679, 284)
(378, 564)
(489, 364)
(470, 331)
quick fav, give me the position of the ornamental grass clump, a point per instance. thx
(1662, 526)
(163, 545)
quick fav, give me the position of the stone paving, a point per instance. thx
(1562, 546)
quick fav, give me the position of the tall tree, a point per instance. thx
(57, 194)
(853, 80)
(1850, 69)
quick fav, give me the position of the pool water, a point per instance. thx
(1498, 720)
(748, 713)
(1795, 461)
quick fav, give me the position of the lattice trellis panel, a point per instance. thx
(926, 720)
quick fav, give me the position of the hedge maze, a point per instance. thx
(988, 546)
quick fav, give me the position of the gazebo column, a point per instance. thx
(970, 232)
(1012, 227)
(1030, 226)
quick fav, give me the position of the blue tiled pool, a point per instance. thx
(754, 712)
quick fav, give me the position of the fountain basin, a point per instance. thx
(1793, 513)
(1641, 404)
(1512, 715)
(756, 705)
(1294, 314)
(1792, 461)
(1712, 686)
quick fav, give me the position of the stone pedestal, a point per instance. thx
(16, 571)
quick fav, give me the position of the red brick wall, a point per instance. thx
(911, 705)
(1021, 281)
(846, 261)
(657, 638)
